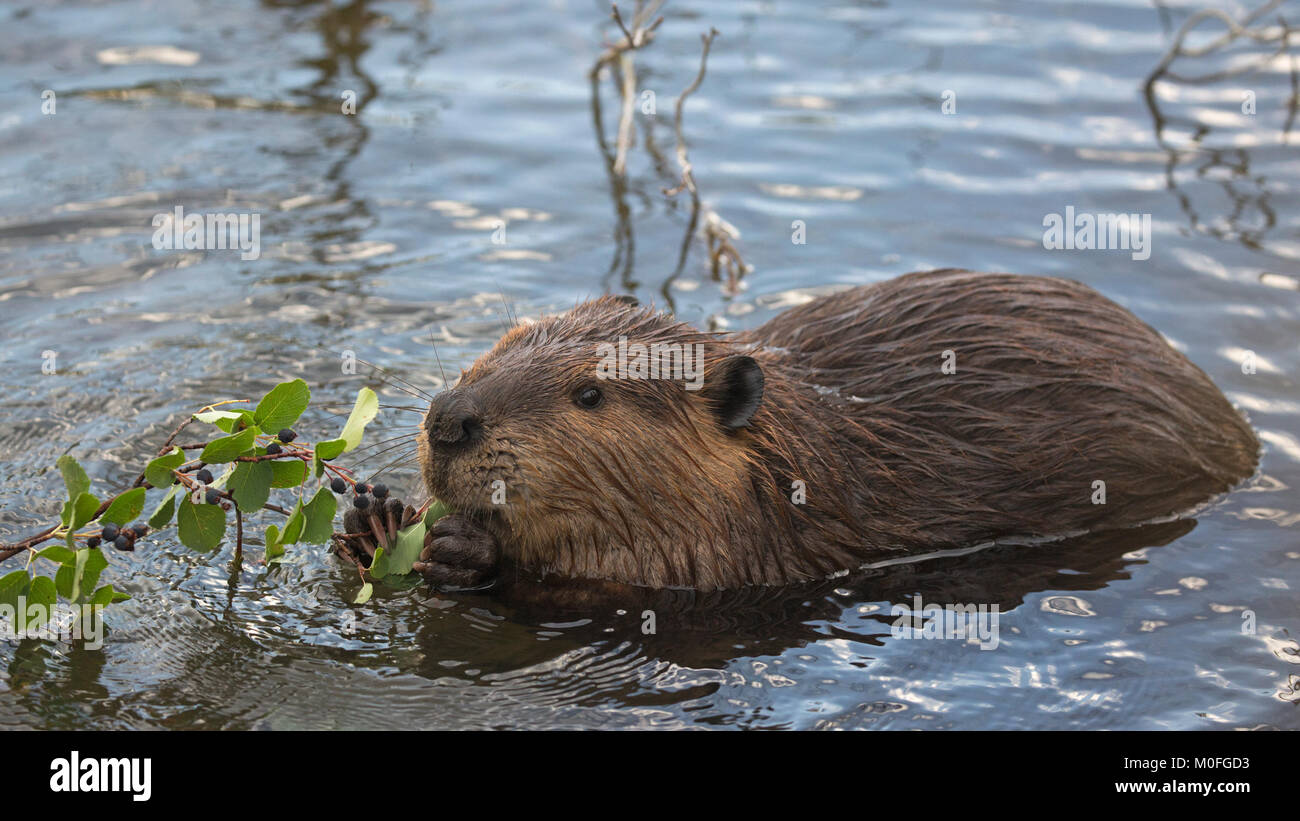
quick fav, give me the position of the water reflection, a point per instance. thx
(1183, 138)
(379, 230)
(709, 630)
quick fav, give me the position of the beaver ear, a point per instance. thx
(735, 389)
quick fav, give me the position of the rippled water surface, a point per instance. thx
(377, 236)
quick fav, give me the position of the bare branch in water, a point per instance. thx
(1252, 216)
(239, 537)
(639, 35)
(718, 233)
(1235, 30)
(683, 159)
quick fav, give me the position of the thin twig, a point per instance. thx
(718, 233)
(139, 480)
(1235, 30)
(683, 158)
(639, 35)
(239, 537)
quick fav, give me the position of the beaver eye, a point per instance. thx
(589, 398)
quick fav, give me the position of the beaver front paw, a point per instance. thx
(459, 554)
(374, 525)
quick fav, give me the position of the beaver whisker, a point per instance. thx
(405, 437)
(405, 386)
(377, 454)
(506, 304)
(433, 342)
(401, 458)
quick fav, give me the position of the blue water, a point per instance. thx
(377, 237)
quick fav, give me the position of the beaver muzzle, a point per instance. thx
(454, 419)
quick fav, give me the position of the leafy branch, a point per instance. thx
(256, 452)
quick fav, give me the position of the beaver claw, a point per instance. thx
(458, 554)
(375, 526)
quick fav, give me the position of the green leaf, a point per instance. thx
(159, 471)
(106, 595)
(77, 482)
(274, 547)
(41, 592)
(83, 510)
(73, 476)
(436, 510)
(124, 509)
(293, 527)
(408, 582)
(12, 586)
(250, 484)
(229, 448)
(363, 595)
(363, 412)
(92, 567)
(282, 406)
(78, 572)
(410, 542)
(330, 448)
(242, 419)
(163, 513)
(379, 564)
(219, 483)
(201, 527)
(213, 417)
(64, 579)
(288, 472)
(320, 517)
(58, 553)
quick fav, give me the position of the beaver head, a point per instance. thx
(576, 434)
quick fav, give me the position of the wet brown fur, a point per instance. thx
(1055, 387)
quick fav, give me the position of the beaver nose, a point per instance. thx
(454, 420)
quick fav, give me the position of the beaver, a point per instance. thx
(937, 410)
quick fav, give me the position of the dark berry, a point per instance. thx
(140, 530)
(273, 449)
(93, 541)
(361, 502)
(380, 491)
(212, 497)
(360, 488)
(204, 476)
(338, 486)
(287, 435)
(123, 543)
(109, 532)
